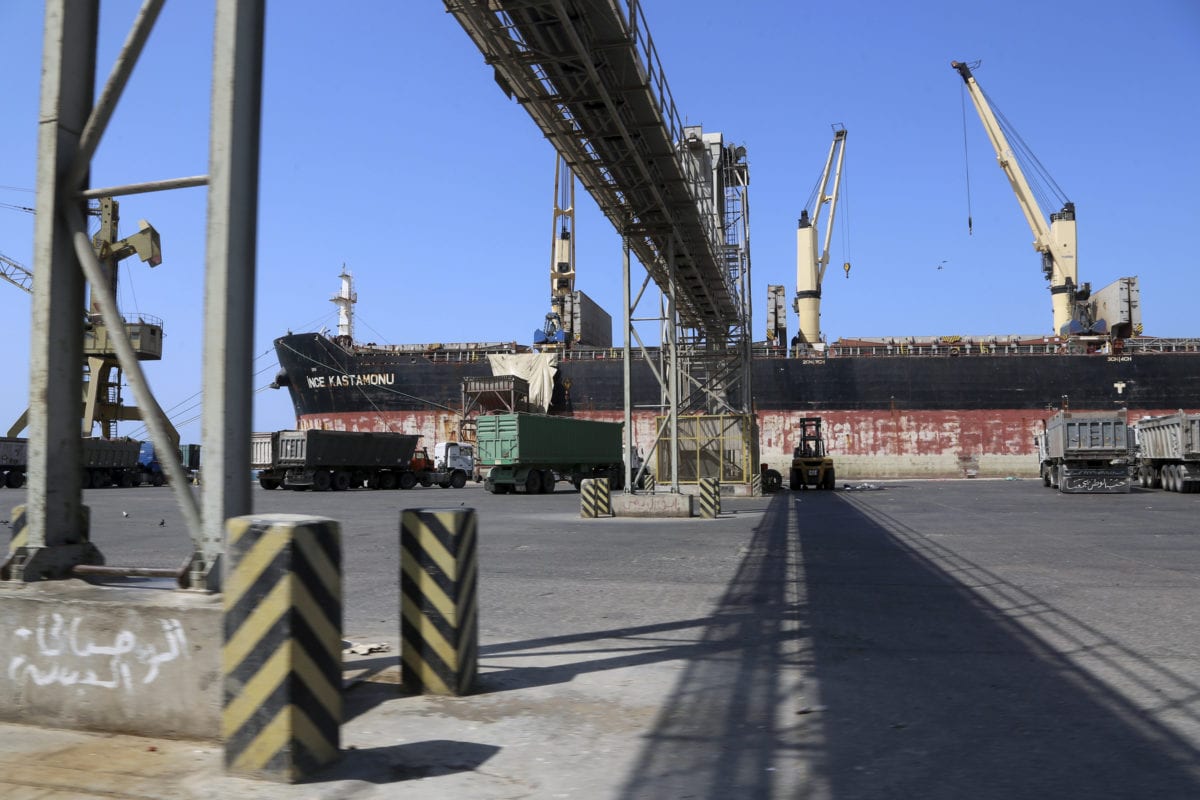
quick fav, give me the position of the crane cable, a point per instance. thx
(966, 159)
(844, 202)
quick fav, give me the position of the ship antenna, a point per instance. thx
(345, 300)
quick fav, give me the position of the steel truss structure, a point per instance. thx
(589, 76)
(72, 122)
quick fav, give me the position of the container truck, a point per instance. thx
(1085, 452)
(1169, 452)
(531, 452)
(322, 460)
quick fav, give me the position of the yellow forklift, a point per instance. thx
(810, 465)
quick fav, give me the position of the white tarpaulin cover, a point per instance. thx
(536, 368)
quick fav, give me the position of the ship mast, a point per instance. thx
(345, 300)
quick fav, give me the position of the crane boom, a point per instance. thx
(810, 265)
(1056, 241)
(16, 274)
(558, 330)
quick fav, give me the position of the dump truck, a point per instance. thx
(530, 453)
(810, 465)
(1082, 452)
(105, 462)
(339, 460)
(1169, 452)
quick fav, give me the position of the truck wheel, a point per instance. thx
(387, 481)
(548, 481)
(795, 481)
(407, 480)
(533, 482)
(1045, 475)
(830, 482)
(577, 482)
(158, 479)
(458, 480)
(269, 483)
(321, 480)
(126, 480)
(341, 480)
(15, 479)
(426, 481)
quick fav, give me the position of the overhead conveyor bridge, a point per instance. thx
(588, 74)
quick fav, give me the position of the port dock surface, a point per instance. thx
(934, 639)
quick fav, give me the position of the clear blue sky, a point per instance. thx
(388, 147)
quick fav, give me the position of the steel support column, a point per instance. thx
(229, 275)
(627, 324)
(56, 543)
(675, 373)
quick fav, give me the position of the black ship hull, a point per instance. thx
(888, 412)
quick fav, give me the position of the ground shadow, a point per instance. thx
(403, 762)
(915, 686)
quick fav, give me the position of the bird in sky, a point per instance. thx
(162, 522)
(941, 264)
(124, 513)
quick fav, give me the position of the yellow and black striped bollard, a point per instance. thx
(595, 499)
(756, 485)
(603, 498)
(587, 499)
(439, 626)
(648, 482)
(282, 656)
(710, 498)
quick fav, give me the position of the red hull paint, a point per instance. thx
(871, 443)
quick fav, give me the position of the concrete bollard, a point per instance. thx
(756, 485)
(710, 498)
(595, 498)
(587, 499)
(282, 654)
(439, 626)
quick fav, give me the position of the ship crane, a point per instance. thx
(558, 329)
(810, 265)
(1055, 241)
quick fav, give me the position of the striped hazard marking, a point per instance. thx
(439, 636)
(282, 655)
(710, 498)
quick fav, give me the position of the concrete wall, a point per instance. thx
(127, 660)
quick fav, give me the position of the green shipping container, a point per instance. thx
(544, 441)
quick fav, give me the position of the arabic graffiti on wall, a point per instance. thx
(61, 651)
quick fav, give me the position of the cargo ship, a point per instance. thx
(902, 407)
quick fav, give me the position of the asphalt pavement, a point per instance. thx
(903, 639)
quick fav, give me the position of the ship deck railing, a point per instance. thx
(897, 348)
